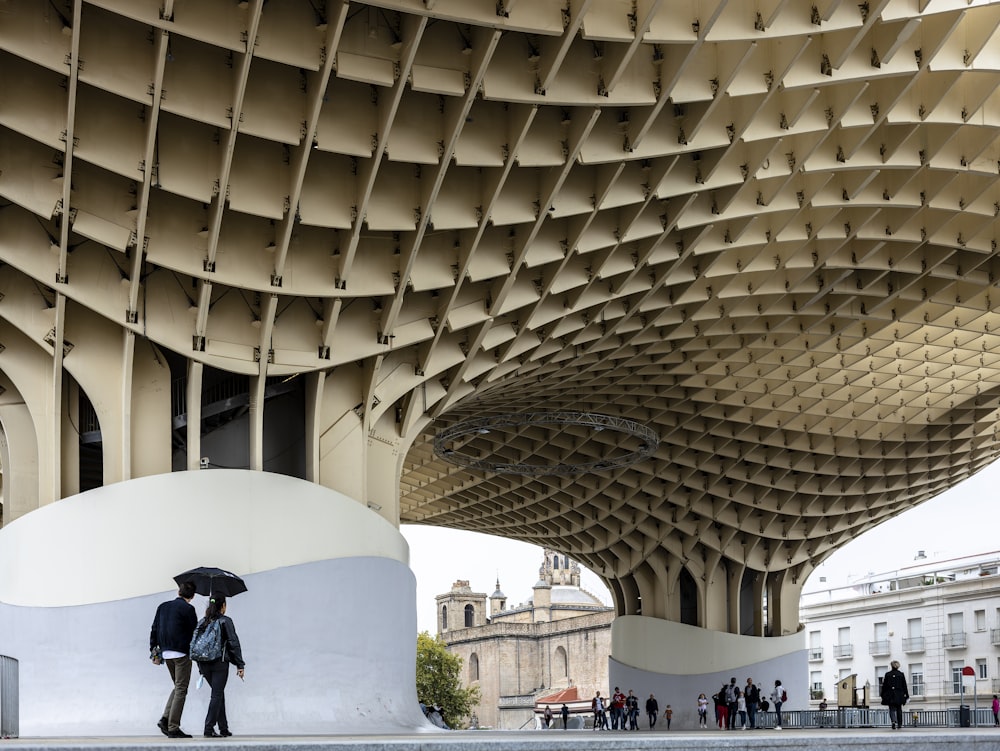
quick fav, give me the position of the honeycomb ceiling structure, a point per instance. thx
(765, 229)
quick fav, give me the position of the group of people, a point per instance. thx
(547, 716)
(621, 712)
(175, 627)
(740, 705)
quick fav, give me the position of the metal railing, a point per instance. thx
(913, 644)
(872, 717)
(878, 647)
(843, 651)
(9, 702)
(954, 640)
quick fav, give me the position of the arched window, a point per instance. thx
(444, 617)
(560, 664)
(470, 616)
(473, 667)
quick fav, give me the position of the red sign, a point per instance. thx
(968, 671)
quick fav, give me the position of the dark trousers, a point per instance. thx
(216, 675)
(731, 720)
(896, 715)
(180, 673)
(652, 719)
(752, 713)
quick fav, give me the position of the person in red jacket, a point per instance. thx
(618, 710)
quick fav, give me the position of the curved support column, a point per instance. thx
(734, 575)
(784, 590)
(192, 400)
(97, 364)
(323, 655)
(630, 594)
(28, 368)
(19, 458)
(147, 410)
(646, 657)
(716, 592)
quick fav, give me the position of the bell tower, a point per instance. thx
(498, 601)
(460, 608)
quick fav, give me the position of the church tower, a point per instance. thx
(498, 601)
(559, 570)
(460, 608)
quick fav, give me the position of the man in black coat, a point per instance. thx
(752, 695)
(895, 694)
(169, 642)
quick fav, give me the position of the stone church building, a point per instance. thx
(557, 643)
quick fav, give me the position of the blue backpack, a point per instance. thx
(206, 644)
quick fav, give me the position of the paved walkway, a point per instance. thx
(932, 739)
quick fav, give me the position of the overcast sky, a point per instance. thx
(961, 521)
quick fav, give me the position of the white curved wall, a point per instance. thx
(129, 539)
(328, 625)
(676, 662)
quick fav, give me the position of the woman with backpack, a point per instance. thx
(216, 669)
(778, 697)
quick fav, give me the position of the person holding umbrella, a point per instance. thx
(216, 671)
(169, 639)
(217, 584)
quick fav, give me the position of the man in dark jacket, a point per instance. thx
(895, 694)
(169, 641)
(652, 710)
(752, 695)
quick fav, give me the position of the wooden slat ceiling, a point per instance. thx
(766, 229)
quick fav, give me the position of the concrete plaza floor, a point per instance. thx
(932, 739)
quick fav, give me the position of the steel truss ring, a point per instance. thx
(597, 422)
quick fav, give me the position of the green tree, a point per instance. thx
(438, 681)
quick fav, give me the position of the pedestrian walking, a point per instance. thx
(652, 710)
(216, 671)
(894, 694)
(169, 641)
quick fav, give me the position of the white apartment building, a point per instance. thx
(935, 617)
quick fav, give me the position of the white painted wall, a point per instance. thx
(129, 539)
(676, 662)
(328, 625)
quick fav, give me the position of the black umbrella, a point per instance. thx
(212, 581)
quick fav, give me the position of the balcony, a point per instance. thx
(914, 644)
(843, 651)
(878, 647)
(815, 654)
(995, 636)
(953, 641)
